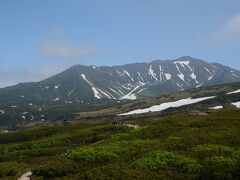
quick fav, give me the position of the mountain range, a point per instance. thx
(131, 81)
(83, 88)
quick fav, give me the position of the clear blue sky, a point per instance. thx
(42, 37)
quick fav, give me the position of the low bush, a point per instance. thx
(56, 168)
(11, 168)
(168, 160)
(93, 155)
(219, 167)
(209, 150)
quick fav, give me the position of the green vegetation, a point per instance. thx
(11, 168)
(172, 147)
(165, 160)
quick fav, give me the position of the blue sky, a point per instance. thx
(42, 37)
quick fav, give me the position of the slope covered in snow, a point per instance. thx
(234, 92)
(216, 107)
(237, 104)
(167, 105)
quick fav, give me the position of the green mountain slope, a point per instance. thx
(190, 147)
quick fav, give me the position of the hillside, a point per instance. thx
(190, 147)
(194, 135)
(220, 96)
(88, 88)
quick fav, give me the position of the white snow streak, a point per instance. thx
(84, 77)
(234, 92)
(183, 64)
(101, 91)
(141, 90)
(151, 73)
(160, 73)
(130, 95)
(116, 92)
(70, 93)
(167, 105)
(96, 93)
(127, 73)
(211, 77)
(216, 107)
(2, 111)
(168, 76)
(57, 86)
(199, 85)
(56, 99)
(180, 75)
(237, 104)
(141, 79)
(236, 75)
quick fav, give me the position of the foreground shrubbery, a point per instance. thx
(11, 168)
(178, 146)
(169, 160)
(56, 168)
(208, 150)
(93, 155)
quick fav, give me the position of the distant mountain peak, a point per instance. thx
(131, 81)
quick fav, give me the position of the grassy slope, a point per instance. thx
(162, 148)
(219, 91)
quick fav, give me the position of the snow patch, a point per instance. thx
(118, 93)
(183, 64)
(127, 73)
(181, 76)
(130, 95)
(236, 75)
(101, 91)
(216, 107)
(211, 77)
(160, 73)
(207, 70)
(194, 77)
(168, 76)
(237, 104)
(141, 90)
(141, 79)
(96, 93)
(151, 73)
(95, 90)
(84, 77)
(167, 105)
(234, 92)
(56, 99)
(110, 95)
(199, 85)
(70, 93)
(2, 111)
(57, 86)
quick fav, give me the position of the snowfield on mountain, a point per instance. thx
(167, 105)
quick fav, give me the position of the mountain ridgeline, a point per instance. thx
(140, 80)
(90, 88)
